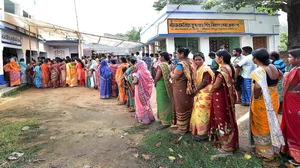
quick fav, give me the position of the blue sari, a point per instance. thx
(105, 81)
(38, 77)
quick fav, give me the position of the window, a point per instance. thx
(9, 6)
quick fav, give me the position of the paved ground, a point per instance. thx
(80, 129)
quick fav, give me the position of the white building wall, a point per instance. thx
(170, 44)
(204, 48)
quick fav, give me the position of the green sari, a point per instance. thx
(129, 87)
(164, 96)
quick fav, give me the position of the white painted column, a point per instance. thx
(151, 48)
(170, 44)
(157, 43)
(18, 10)
(246, 41)
(204, 48)
(273, 43)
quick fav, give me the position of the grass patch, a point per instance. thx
(193, 153)
(16, 91)
(12, 139)
(137, 129)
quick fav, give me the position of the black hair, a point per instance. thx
(170, 55)
(184, 51)
(132, 54)
(124, 69)
(227, 59)
(123, 59)
(151, 55)
(33, 60)
(247, 49)
(211, 54)
(46, 61)
(295, 53)
(147, 54)
(78, 60)
(165, 55)
(239, 50)
(156, 55)
(137, 53)
(133, 60)
(262, 56)
(113, 61)
(295, 47)
(199, 54)
(22, 60)
(275, 55)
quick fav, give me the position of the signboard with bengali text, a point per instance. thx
(183, 26)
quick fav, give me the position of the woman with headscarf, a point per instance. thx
(38, 83)
(62, 73)
(30, 72)
(113, 68)
(97, 73)
(13, 69)
(129, 85)
(92, 74)
(120, 81)
(54, 70)
(105, 80)
(143, 90)
(23, 68)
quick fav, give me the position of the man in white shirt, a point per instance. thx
(138, 56)
(246, 66)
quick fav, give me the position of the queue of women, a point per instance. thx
(190, 95)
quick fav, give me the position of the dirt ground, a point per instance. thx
(81, 129)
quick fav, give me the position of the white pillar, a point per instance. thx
(157, 43)
(204, 48)
(2, 81)
(273, 43)
(246, 41)
(170, 44)
(150, 48)
(18, 10)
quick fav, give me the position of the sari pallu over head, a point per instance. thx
(105, 80)
(145, 83)
(260, 77)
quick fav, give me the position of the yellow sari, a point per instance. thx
(264, 123)
(71, 75)
(201, 111)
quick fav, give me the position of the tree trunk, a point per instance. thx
(293, 16)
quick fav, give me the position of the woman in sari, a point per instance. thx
(13, 69)
(113, 68)
(164, 92)
(155, 65)
(143, 88)
(71, 74)
(201, 111)
(182, 79)
(45, 73)
(105, 80)
(129, 84)
(265, 129)
(97, 73)
(23, 68)
(62, 73)
(30, 72)
(223, 129)
(80, 72)
(121, 84)
(38, 82)
(291, 104)
(54, 70)
(92, 74)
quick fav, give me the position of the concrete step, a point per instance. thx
(6, 90)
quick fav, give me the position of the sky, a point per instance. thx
(100, 16)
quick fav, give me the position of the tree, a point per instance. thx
(283, 41)
(291, 7)
(132, 35)
(160, 4)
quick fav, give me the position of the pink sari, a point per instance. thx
(143, 91)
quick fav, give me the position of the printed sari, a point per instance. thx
(291, 115)
(23, 68)
(62, 77)
(30, 73)
(113, 68)
(71, 74)
(265, 129)
(143, 91)
(45, 75)
(54, 70)
(13, 69)
(223, 129)
(183, 98)
(105, 80)
(129, 87)
(38, 81)
(123, 97)
(164, 96)
(201, 110)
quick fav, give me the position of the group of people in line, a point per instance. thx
(195, 97)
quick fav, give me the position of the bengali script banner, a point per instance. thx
(205, 26)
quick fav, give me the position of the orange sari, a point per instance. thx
(71, 75)
(14, 72)
(121, 85)
(45, 75)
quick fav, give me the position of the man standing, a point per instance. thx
(138, 56)
(238, 78)
(147, 59)
(246, 66)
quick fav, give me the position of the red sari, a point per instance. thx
(291, 115)
(54, 69)
(80, 74)
(113, 68)
(45, 75)
(223, 127)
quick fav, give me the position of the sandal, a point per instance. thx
(162, 127)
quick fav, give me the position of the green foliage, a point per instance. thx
(283, 41)
(160, 4)
(132, 35)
